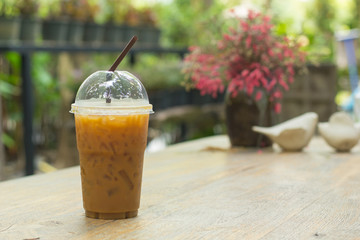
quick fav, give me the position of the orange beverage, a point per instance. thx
(111, 150)
(111, 118)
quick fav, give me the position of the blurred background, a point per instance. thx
(166, 28)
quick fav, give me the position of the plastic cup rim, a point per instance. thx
(111, 110)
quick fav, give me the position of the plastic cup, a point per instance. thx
(111, 112)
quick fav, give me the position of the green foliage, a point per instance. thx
(7, 90)
(159, 72)
(186, 22)
(323, 13)
(317, 21)
(8, 8)
(321, 38)
(14, 60)
(10, 94)
(10, 81)
(47, 95)
(44, 84)
(115, 10)
(10, 87)
(96, 62)
(155, 72)
(27, 8)
(8, 140)
(50, 9)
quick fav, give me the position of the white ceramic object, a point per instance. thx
(340, 132)
(293, 134)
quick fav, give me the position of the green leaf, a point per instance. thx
(7, 90)
(7, 140)
(15, 60)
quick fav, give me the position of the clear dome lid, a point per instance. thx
(111, 93)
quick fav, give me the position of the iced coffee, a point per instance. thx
(111, 140)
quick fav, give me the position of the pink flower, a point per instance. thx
(277, 94)
(251, 15)
(264, 82)
(248, 58)
(266, 70)
(245, 72)
(244, 25)
(248, 41)
(266, 18)
(249, 90)
(270, 52)
(290, 69)
(227, 37)
(284, 84)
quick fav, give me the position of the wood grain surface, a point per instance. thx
(202, 190)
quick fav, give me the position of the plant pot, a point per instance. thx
(112, 33)
(242, 113)
(30, 29)
(9, 29)
(75, 32)
(93, 33)
(54, 31)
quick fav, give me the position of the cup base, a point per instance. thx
(122, 215)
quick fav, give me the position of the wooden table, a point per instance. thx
(195, 191)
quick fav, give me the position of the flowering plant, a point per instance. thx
(250, 57)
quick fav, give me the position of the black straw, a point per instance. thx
(123, 53)
(116, 64)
